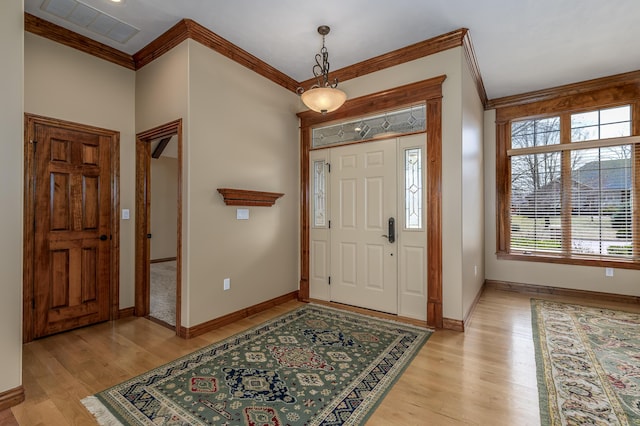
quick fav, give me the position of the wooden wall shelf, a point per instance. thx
(242, 197)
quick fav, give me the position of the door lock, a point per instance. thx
(391, 234)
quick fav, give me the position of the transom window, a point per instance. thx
(573, 184)
(391, 123)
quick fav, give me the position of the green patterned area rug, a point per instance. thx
(588, 363)
(312, 366)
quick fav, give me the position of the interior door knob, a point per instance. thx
(103, 237)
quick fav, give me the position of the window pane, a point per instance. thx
(530, 133)
(601, 201)
(601, 124)
(615, 115)
(319, 194)
(413, 188)
(536, 203)
(406, 120)
(615, 130)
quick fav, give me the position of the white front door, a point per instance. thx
(350, 261)
(364, 267)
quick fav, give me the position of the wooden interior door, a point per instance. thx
(72, 228)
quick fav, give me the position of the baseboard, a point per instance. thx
(165, 259)
(467, 318)
(11, 397)
(452, 324)
(457, 325)
(126, 312)
(205, 327)
(543, 289)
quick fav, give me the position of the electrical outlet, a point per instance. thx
(608, 272)
(227, 284)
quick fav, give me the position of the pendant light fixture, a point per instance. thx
(323, 96)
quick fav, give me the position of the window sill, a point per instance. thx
(580, 261)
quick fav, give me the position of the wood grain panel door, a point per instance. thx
(72, 229)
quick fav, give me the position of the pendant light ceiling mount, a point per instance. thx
(324, 96)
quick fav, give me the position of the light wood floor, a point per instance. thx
(485, 376)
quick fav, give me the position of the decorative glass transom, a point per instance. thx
(392, 123)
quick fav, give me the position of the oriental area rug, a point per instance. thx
(313, 366)
(588, 363)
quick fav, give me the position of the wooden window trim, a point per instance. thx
(426, 91)
(613, 93)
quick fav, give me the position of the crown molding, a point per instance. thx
(161, 45)
(189, 29)
(470, 56)
(400, 56)
(572, 89)
(56, 33)
(213, 41)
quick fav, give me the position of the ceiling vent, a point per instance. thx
(90, 18)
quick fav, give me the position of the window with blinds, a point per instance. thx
(572, 190)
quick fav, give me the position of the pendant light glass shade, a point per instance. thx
(324, 96)
(323, 99)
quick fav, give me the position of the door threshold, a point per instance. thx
(372, 312)
(160, 322)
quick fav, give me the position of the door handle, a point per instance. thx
(391, 233)
(103, 237)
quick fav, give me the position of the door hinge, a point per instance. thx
(329, 166)
(33, 303)
(329, 224)
(329, 280)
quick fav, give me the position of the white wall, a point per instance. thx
(624, 281)
(243, 133)
(472, 191)
(449, 63)
(64, 83)
(11, 174)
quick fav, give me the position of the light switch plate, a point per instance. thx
(242, 214)
(125, 214)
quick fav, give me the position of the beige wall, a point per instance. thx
(240, 131)
(162, 94)
(11, 160)
(164, 210)
(624, 281)
(64, 83)
(449, 63)
(243, 133)
(472, 266)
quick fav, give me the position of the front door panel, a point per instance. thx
(363, 198)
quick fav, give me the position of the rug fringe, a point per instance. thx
(100, 412)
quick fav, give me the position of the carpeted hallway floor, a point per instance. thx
(163, 291)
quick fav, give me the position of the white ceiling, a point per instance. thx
(521, 45)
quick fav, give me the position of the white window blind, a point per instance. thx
(574, 197)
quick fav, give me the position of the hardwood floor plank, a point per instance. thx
(486, 375)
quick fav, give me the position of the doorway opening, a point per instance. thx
(428, 92)
(367, 234)
(159, 224)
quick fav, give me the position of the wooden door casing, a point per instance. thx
(143, 220)
(71, 207)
